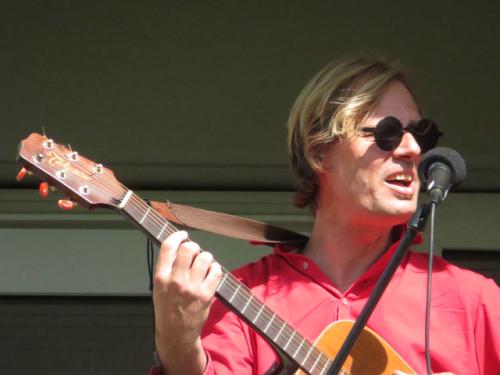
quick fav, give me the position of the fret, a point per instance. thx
(279, 332)
(146, 214)
(235, 293)
(289, 340)
(161, 232)
(221, 284)
(258, 314)
(315, 362)
(325, 367)
(307, 355)
(298, 348)
(269, 323)
(246, 304)
(139, 211)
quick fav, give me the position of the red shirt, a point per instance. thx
(464, 333)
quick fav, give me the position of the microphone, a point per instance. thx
(440, 168)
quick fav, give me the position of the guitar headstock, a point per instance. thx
(80, 178)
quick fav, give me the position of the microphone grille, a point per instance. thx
(447, 156)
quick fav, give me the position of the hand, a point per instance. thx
(185, 281)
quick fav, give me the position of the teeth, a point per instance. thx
(401, 177)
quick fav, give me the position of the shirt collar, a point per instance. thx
(298, 261)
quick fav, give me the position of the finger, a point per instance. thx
(168, 251)
(200, 267)
(185, 256)
(213, 277)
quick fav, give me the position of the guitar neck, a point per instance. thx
(235, 294)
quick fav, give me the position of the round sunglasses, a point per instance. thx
(389, 133)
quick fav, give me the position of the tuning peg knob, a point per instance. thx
(44, 189)
(66, 204)
(22, 173)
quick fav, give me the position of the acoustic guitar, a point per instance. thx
(94, 186)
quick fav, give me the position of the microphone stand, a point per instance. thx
(415, 225)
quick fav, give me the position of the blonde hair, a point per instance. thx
(332, 106)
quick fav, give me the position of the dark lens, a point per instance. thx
(388, 133)
(426, 133)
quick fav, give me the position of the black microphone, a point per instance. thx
(439, 170)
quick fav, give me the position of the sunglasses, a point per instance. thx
(389, 133)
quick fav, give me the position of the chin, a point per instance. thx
(397, 214)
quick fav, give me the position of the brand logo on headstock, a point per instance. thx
(57, 161)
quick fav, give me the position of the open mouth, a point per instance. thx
(400, 179)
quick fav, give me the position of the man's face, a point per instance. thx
(366, 184)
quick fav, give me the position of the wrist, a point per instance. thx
(181, 358)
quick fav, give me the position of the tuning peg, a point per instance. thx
(44, 189)
(66, 204)
(22, 173)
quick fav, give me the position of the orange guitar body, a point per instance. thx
(370, 355)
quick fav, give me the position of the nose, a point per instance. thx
(408, 148)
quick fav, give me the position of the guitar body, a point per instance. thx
(370, 355)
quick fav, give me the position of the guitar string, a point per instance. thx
(257, 306)
(170, 229)
(156, 219)
(106, 187)
(297, 340)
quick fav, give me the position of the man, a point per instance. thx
(356, 135)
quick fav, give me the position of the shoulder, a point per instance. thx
(273, 275)
(418, 263)
(262, 271)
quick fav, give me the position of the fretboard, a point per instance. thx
(236, 295)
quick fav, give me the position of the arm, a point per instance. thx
(184, 285)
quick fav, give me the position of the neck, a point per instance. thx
(344, 250)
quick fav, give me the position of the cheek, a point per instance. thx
(366, 180)
(357, 189)
(368, 192)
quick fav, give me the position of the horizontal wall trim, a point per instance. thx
(46, 251)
